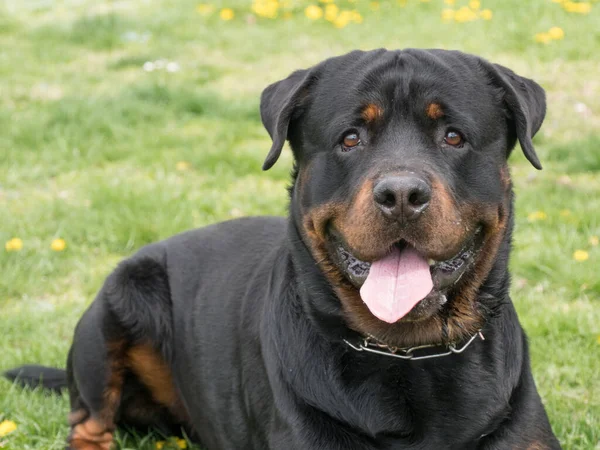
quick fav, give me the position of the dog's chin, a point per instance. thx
(445, 274)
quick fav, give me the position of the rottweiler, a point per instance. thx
(375, 316)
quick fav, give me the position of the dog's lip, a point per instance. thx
(444, 273)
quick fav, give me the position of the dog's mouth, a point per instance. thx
(405, 283)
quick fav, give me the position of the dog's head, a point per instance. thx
(402, 189)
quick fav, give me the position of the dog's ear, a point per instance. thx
(526, 102)
(279, 104)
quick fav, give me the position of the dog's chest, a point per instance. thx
(433, 405)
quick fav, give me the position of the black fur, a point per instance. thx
(32, 375)
(252, 329)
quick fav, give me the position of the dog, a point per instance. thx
(376, 316)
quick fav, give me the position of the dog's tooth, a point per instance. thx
(443, 299)
(431, 262)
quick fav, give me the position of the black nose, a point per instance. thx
(402, 197)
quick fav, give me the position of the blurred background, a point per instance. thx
(125, 122)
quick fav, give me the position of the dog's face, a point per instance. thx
(402, 189)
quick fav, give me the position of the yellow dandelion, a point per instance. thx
(205, 9)
(581, 255)
(374, 6)
(542, 38)
(313, 12)
(565, 212)
(401, 3)
(594, 241)
(450, 2)
(475, 4)
(180, 443)
(182, 166)
(447, 15)
(580, 8)
(287, 15)
(356, 17)
(584, 8)
(327, 1)
(537, 215)
(598, 339)
(265, 8)
(343, 19)
(58, 245)
(13, 245)
(331, 12)
(558, 1)
(556, 33)
(226, 14)
(465, 14)
(6, 427)
(486, 14)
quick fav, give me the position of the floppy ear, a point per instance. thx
(526, 101)
(279, 104)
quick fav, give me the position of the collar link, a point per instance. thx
(372, 345)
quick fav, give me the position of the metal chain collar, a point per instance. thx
(370, 344)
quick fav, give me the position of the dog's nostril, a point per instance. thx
(419, 197)
(389, 200)
(413, 199)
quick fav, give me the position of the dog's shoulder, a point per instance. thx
(243, 236)
(240, 233)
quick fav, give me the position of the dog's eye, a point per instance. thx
(454, 138)
(350, 141)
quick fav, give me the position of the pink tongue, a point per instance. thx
(396, 283)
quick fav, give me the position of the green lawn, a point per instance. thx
(108, 156)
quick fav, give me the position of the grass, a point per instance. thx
(90, 146)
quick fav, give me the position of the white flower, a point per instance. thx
(149, 66)
(581, 107)
(173, 67)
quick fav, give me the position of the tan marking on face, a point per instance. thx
(464, 313)
(358, 225)
(372, 112)
(434, 111)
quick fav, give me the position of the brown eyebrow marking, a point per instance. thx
(434, 111)
(372, 112)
